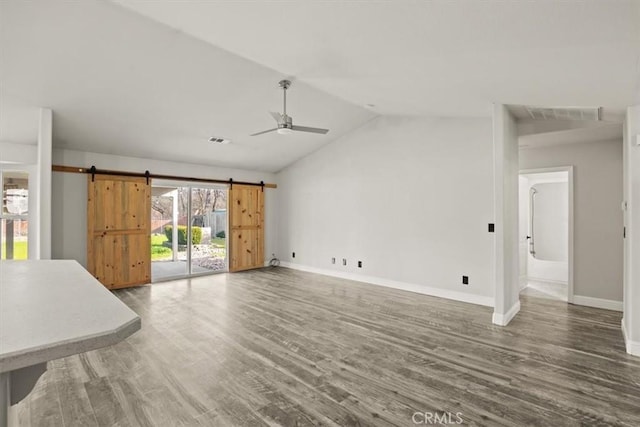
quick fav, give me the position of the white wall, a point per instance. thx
(631, 320)
(506, 249)
(411, 198)
(18, 153)
(69, 210)
(598, 247)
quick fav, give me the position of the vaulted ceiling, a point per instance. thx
(120, 83)
(157, 78)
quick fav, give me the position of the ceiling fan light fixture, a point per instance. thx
(284, 131)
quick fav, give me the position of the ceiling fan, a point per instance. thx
(285, 122)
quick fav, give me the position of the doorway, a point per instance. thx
(189, 230)
(546, 233)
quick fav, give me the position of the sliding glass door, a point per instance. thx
(208, 229)
(188, 230)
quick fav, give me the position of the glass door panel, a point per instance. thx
(208, 229)
(169, 219)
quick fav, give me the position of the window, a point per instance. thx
(14, 217)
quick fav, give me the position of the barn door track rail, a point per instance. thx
(93, 171)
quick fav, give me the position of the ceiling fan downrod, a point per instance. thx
(284, 84)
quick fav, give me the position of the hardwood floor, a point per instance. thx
(282, 347)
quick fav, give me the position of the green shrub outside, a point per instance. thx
(160, 250)
(221, 234)
(196, 234)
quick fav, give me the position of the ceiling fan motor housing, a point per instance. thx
(286, 122)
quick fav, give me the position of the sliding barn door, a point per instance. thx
(118, 222)
(246, 223)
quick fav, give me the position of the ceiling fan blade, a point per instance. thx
(276, 116)
(308, 129)
(264, 131)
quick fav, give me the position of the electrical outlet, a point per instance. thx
(293, 254)
(359, 264)
(465, 280)
(333, 260)
(344, 261)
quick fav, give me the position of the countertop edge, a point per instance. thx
(29, 357)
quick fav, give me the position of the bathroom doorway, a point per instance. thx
(546, 233)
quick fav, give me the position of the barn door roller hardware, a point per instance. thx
(148, 176)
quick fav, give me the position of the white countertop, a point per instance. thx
(55, 308)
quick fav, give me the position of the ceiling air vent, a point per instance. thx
(564, 113)
(218, 140)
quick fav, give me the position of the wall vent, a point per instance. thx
(564, 113)
(219, 140)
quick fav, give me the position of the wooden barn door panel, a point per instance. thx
(119, 260)
(246, 222)
(118, 222)
(244, 257)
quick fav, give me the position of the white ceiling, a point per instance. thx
(119, 83)
(157, 78)
(437, 57)
(18, 121)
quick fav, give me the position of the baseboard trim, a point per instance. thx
(504, 319)
(633, 347)
(606, 304)
(410, 287)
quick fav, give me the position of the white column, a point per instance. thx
(45, 143)
(631, 205)
(506, 245)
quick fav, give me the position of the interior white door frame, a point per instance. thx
(569, 170)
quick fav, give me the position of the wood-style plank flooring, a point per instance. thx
(282, 347)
